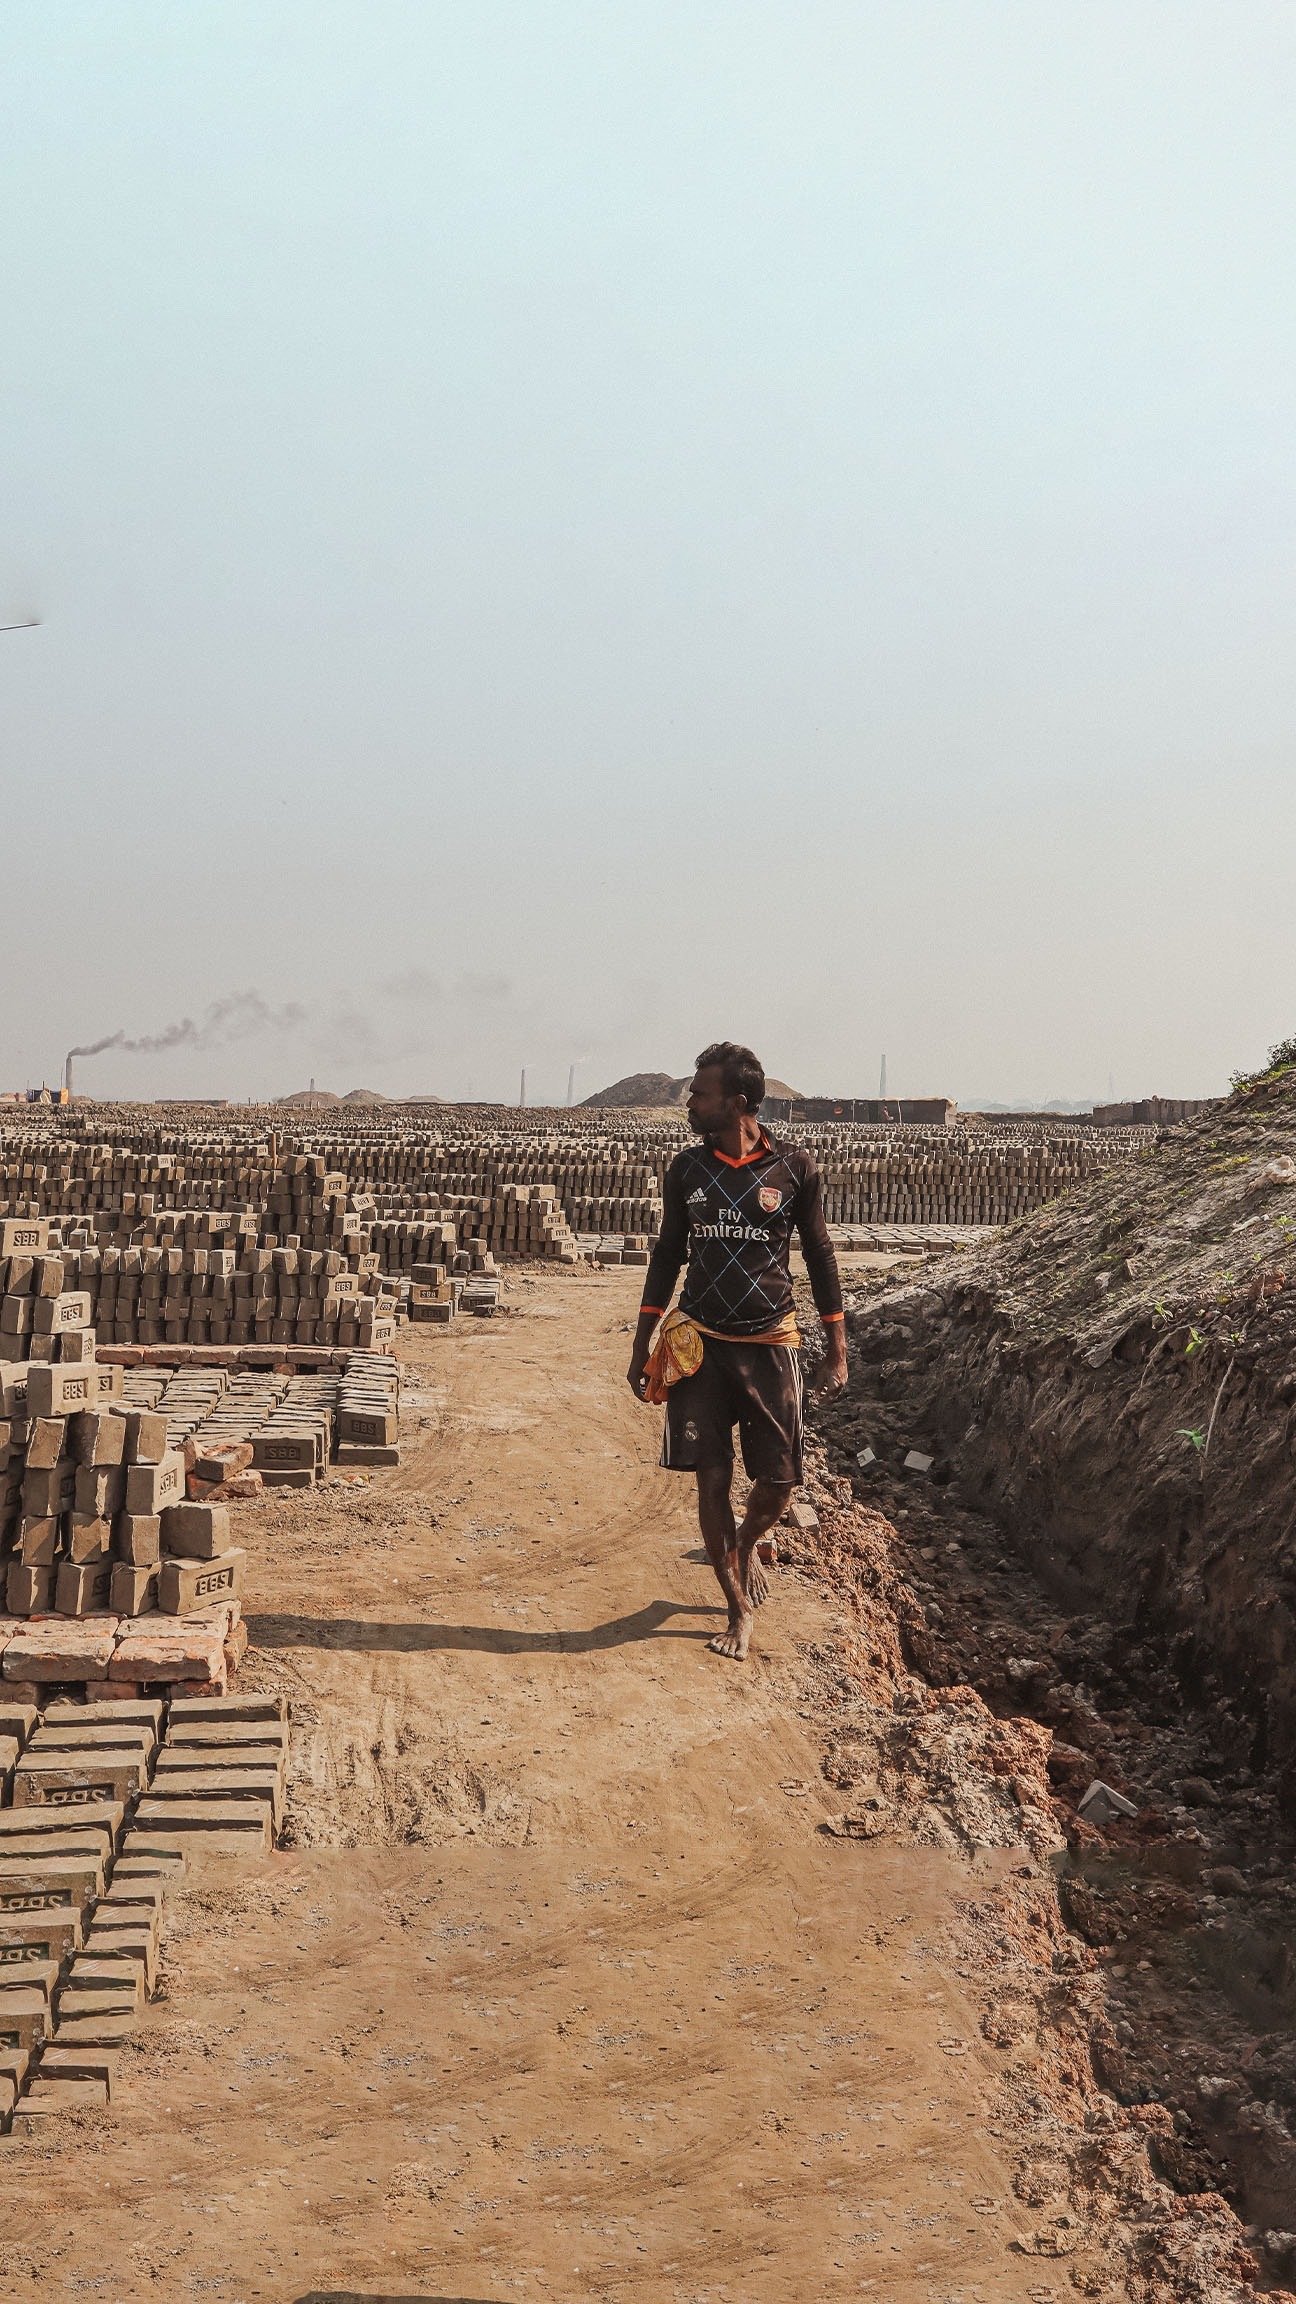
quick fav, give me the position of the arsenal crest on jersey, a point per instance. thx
(770, 1198)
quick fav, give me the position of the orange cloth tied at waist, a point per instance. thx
(678, 1348)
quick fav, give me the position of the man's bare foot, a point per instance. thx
(735, 1640)
(756, 1583)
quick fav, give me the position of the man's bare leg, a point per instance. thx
(766, 1504)
(720, 1536)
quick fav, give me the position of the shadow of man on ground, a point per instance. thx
(652, 1622)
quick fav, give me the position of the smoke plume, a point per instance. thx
(346, 1031)
(237, 1017)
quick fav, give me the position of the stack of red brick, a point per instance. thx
(112, 1656)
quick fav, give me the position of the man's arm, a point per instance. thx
(663, 1271)
(825, 1285)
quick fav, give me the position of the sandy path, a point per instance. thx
(559, 1993)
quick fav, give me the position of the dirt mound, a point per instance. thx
(1114, 1380)
(638, 1088)
(365, 1096)
(311, 1098)
(657, 1089)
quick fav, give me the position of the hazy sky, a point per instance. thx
(566, 531)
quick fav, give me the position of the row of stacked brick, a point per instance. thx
(102, 1195)
(240, 1430)
(101, 1182)
(608, 1186)
(304, 1260)
(462, 1230)
(540, 1199)
(420, 1190)
(102, 1804)
(329, 1218)
(184, 1293)
(246, 1295)
(505, 1197)
(946, 1176)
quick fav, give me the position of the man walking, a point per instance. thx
(732, 1203)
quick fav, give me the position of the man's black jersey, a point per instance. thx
(732, 1221)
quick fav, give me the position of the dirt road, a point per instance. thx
(559, 1991)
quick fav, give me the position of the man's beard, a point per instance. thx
(700, 1128)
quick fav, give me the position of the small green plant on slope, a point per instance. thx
(1282, 1058)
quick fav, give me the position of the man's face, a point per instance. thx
(710, 1111)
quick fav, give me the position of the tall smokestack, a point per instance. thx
(67, 1074)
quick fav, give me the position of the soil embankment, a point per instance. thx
(1115, 1382)
(1104, 1546)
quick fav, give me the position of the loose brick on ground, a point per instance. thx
(65, 2060)
(123, 1919)
(50, 2096)
(164, 1870)
(211, 1734)
(101, 2029)
(132, 1947)
(136, 1712)
(184, 1759)
(85, 1733)
(261, 1786)
(121, 1978)
(240, 1822)
(237, 1707)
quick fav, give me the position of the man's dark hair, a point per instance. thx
(741, 1073)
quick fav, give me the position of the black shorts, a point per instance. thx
(755, 1386)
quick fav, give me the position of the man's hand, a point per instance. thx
(830, 1375)
(639, 1355)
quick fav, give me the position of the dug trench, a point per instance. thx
(1101, 1549)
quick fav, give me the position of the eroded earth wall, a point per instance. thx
(1115, 1381)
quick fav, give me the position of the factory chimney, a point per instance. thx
(67, 1076)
